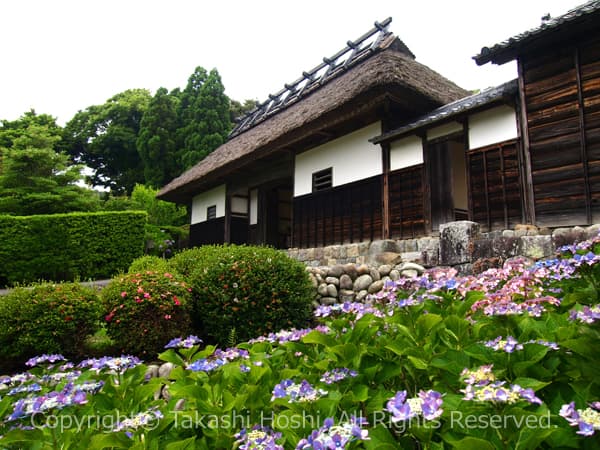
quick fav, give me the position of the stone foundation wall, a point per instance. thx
(350, 272)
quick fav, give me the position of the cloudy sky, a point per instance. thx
(61, 56)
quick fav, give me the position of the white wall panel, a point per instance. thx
(202, 201)
(492, 126)
(352, 158)
(406, 152)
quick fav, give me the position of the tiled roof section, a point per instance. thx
(350, 55)
(574, 15)
(450, 110)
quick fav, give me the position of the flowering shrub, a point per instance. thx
(144, 310)
(250, 290)
(46, 318)
(504, 359)
(151, 263)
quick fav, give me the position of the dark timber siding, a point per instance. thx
(407, 215)
(348, 213)
(495, 186)
(208, 232)
(562, 102)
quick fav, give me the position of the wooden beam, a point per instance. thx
(524, 155)
(583, 140)
(227, 225)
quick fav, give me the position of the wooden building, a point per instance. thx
(371, 144)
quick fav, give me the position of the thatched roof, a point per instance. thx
(387, 67)
(578, 20)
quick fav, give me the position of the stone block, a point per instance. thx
(362, 282)
(416, 257)
(386, 245)
(346, 282)
(535, 247)
(457, 242)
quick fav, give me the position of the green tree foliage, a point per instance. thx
(160, 213)
(36, 179)
(156, 141)
(204, 115)
(103, 137)
(11, 130)
(238, 110)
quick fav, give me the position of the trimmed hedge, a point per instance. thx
(244, 291)
(69, 246)
(47, 318)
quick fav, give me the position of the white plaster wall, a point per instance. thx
(406, 152)
(492, 126)
(202, 201)
(352, 158)
(253, 206)
(444, 130)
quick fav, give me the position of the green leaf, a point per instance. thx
(426, 323)
(418, 363)
(316, 337)
(472, 443)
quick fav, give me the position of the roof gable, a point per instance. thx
(577, 20)
(354, 52)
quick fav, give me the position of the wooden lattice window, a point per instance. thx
(211, 212)
(322, 180)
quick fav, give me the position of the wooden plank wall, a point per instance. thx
(344, 214)
(562, 101)
(208, 232)
(495, 186)
(407, 214)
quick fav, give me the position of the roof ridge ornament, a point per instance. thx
(352, 53)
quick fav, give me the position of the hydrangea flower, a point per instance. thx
(258, 438)
(336, 375)
(482, 386)
(427, 404)
(331, 436)
(37, 360)
(188, 342)
(508, 345)
(217, 359)
(297, 393)
(55, 378)
(25, 388)
(292, 335)
(147, 419)
(588, 420)
(205, 365)
(118, 364)
(53, 400)
(587, 314)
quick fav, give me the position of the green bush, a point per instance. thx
(150, 263)
(61, 247)
(47, 318)
(144, 310)
(248, 291)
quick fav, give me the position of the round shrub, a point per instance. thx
(47, 318)
(246, 291)
(145, 310)
(186, 261)
(149, 262)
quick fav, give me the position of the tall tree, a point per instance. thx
(36, 179)
(205, 117)
(156, 143)
(103, 137)
(238, 110)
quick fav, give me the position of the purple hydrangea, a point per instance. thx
(293, 335)
(188, 342)
(331, 436)
(586, 315)
(482, 386)
(145, 420)
(427, 404)
(37, 360)
(297, 393)
(336, 375)
(508, 345)
(258, 438)
(587, 420)
(53, 400)
(118, 364)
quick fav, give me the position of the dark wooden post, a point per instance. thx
(524, 156)
(385, 190)
(227, 225)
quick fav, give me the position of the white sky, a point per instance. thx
(61, 56)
